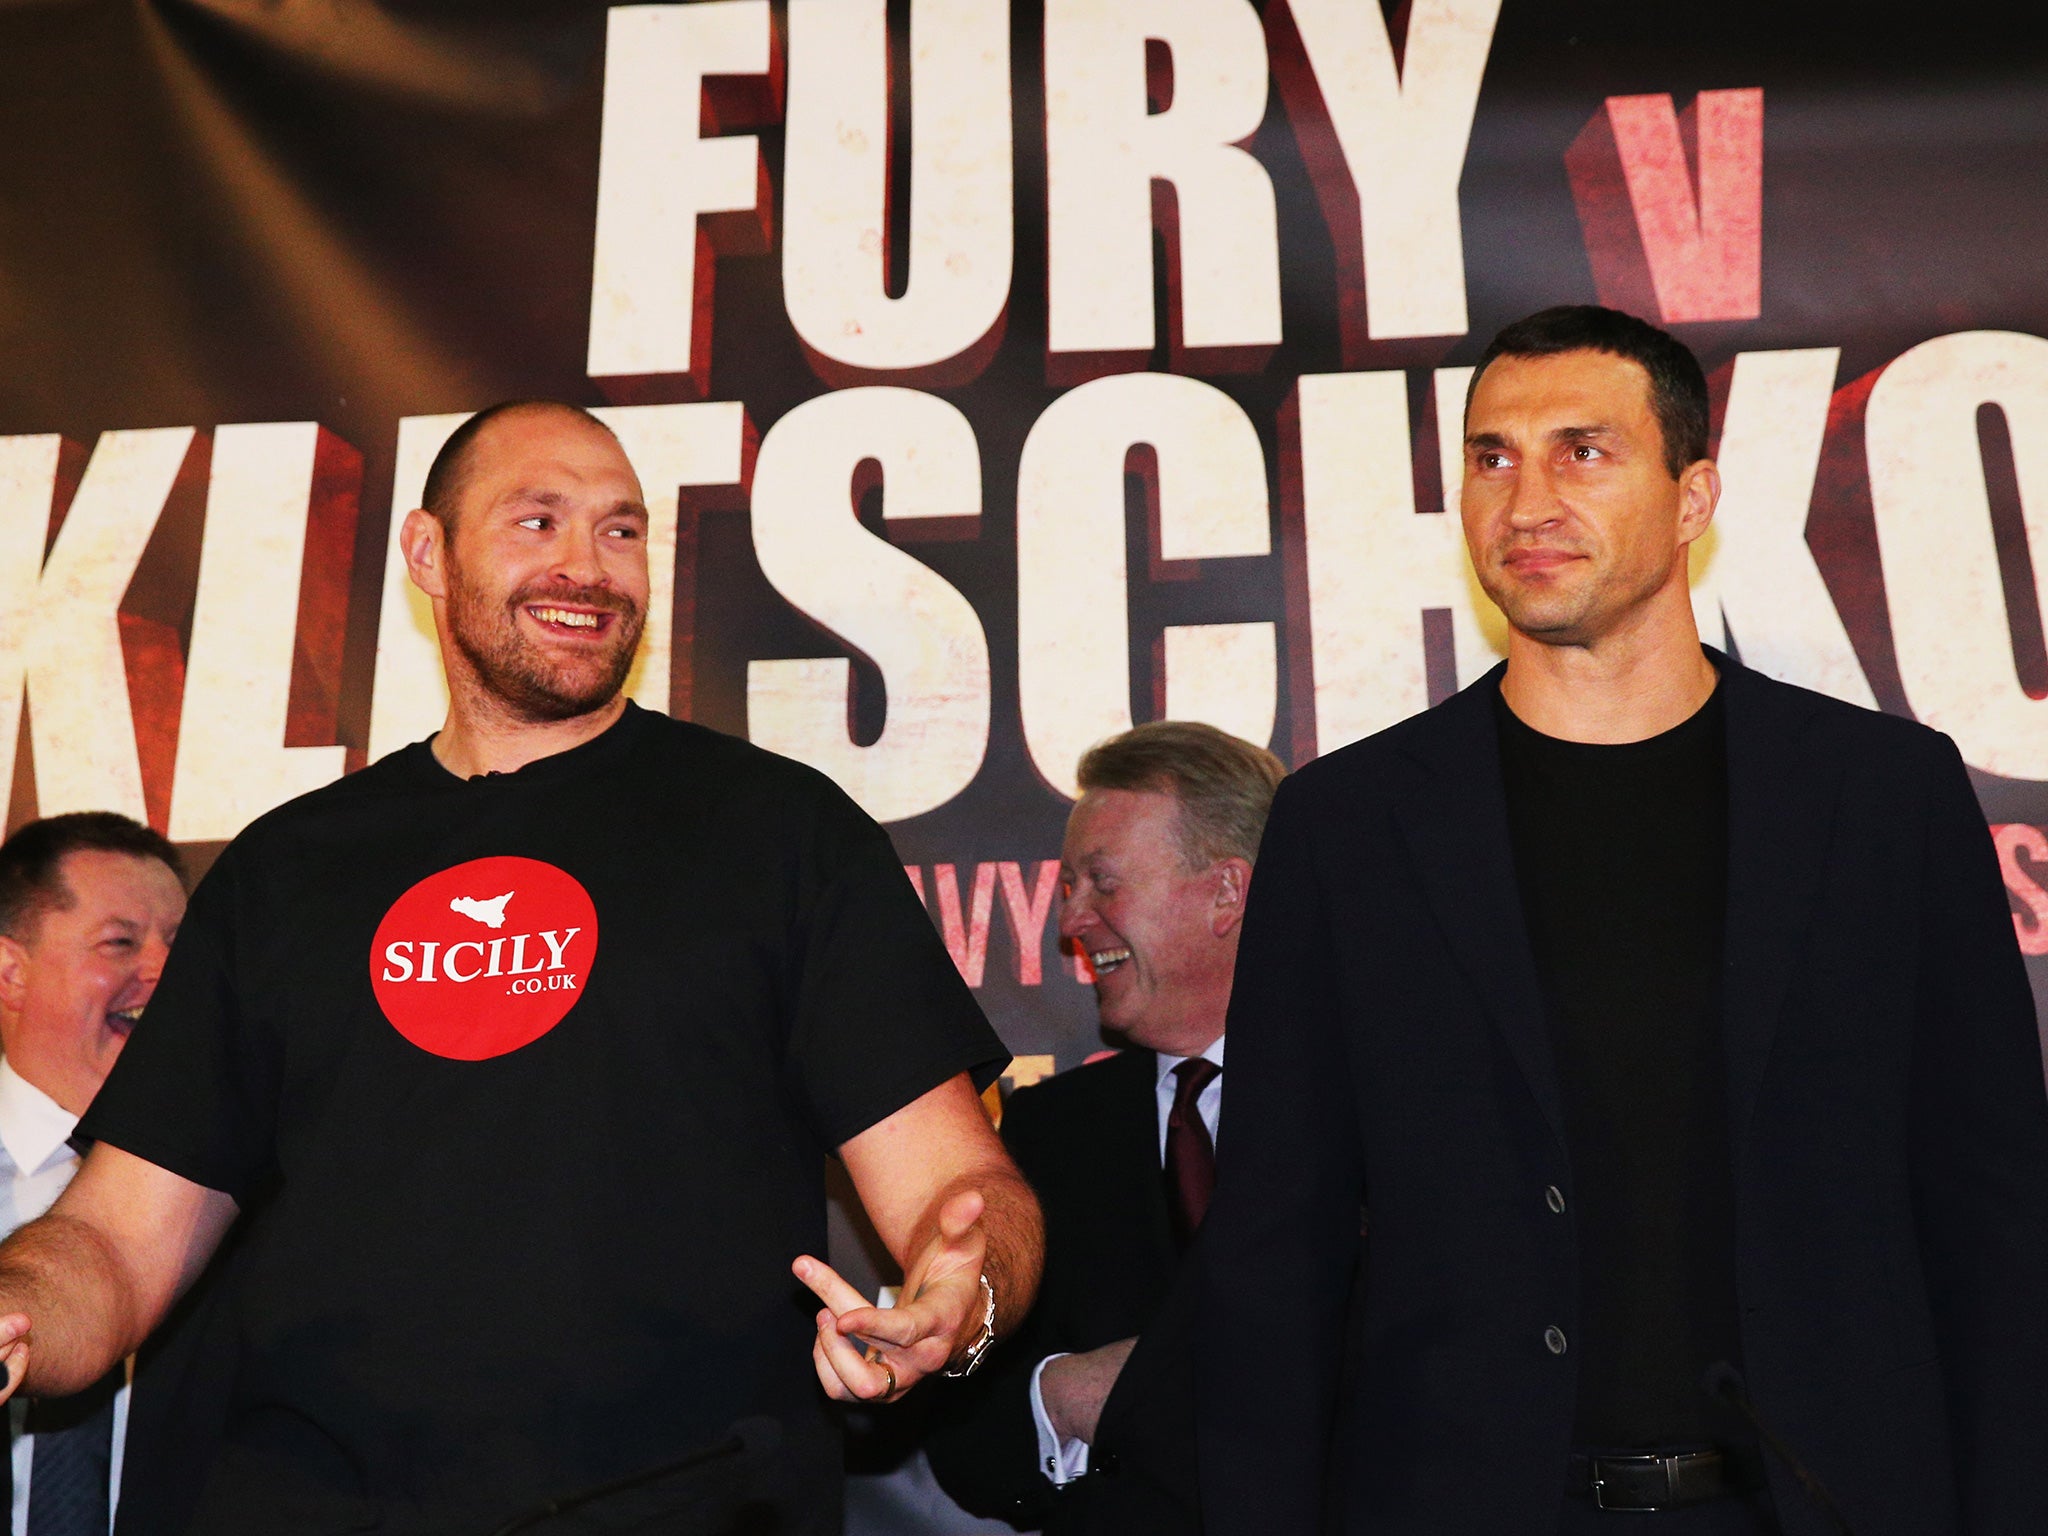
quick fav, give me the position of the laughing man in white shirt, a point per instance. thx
(89, 904)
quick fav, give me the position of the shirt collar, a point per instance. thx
(32, 1124)
(1168, 1063)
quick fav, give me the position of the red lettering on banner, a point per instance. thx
(152, 615)
(155, 659)
(1026, 913)
(2030, 924)
(313, 713)
(966, 940)
(1028, 907)
(1657, 245)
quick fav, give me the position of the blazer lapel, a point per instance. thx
(1781, 815)
(1456, 828)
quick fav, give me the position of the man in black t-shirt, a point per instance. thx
(1668, 1022)
(535, 1036)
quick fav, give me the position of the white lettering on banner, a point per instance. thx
(1933, 511)
(1401, 131)
(1104, 152)
(658, 177)
(60, 631)
(1371, 564)
(1760, 576)
(1073, 604)
(670, 447)
(923, 636)
(836, 192)
(233, 764)
(1449, 388)
(408, 695)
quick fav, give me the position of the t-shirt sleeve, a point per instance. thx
(195, 1088)
(881, 1015)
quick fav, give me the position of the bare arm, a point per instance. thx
(951, 1207)
(86, 1284)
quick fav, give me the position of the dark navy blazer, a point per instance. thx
(1887, 1115)
(1088, 1140)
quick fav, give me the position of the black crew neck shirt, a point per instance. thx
(1621, 854)
(542, 1070)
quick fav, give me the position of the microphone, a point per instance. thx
(751, 1438)
(1723, 1383)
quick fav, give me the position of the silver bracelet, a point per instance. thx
(984, 1339)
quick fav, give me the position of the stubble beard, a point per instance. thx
(527, 683)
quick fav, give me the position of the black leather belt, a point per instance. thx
(1647, 1482)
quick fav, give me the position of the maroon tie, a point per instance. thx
(1190, 1154)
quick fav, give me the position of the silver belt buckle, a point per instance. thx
(1600, 1487)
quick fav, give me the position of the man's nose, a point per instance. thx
(155, 951)
(1533, 501)
(576, 558)
(1075, 917)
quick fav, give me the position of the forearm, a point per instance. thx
(1016, 1247)
(83, 1312)
(1014, 1233)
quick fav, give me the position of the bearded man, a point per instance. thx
(539, 1033)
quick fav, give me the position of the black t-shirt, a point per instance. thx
(542, 1069)
(1621, 852)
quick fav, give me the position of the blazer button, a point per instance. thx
(1554, 1198)
(1553, 1340)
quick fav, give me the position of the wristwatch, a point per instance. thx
(983, 1339)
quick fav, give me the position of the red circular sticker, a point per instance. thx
(485, 957)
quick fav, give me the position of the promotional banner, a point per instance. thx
(998, 375)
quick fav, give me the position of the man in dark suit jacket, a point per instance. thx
(1668, 1020)
(1085, 1421)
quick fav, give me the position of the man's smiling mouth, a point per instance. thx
(569, 618)
(125, 1019)
(1107, 960)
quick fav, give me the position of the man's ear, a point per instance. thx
(1699, 492)
(424, 543)
(14, 964)
(1233, 882)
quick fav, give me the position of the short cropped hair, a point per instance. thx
(1678, 386)
(32, 862)
(449, 472)
(1224, 785)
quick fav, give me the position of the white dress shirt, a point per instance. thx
(36, 1162)
(1064, 1460)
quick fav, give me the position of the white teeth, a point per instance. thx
(132, 1015)
(1107, 959)
(565, 616)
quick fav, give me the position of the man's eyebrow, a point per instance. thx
(1580, 434)
(1485, 440)
(629, 509)
(534, 493)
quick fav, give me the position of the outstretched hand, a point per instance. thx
(867, 1353)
